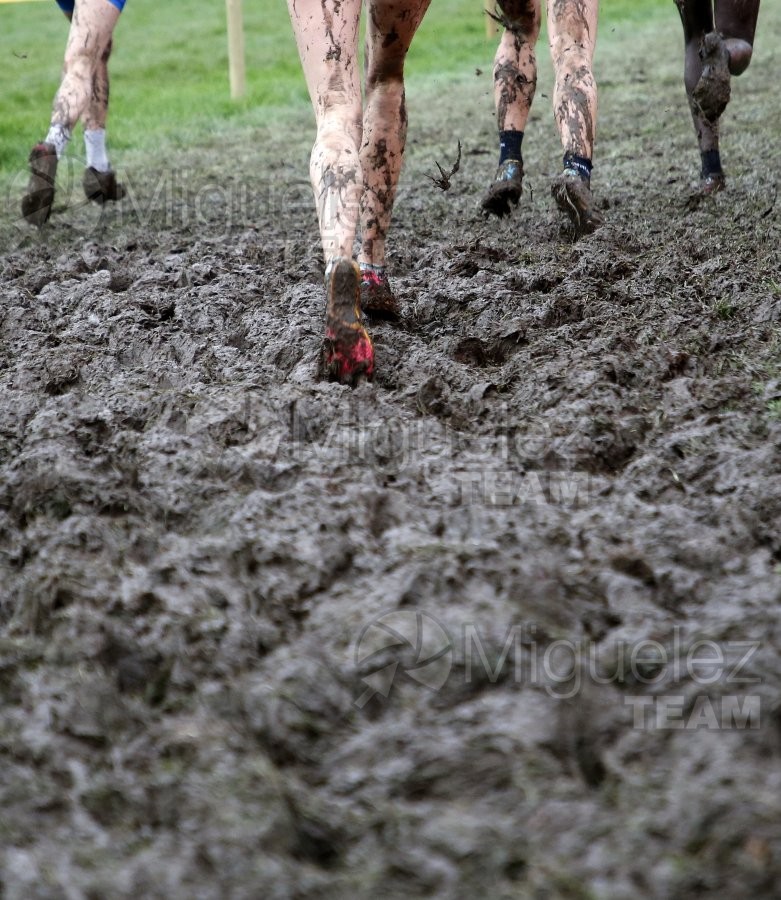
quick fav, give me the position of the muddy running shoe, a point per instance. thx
(37, 202)
(712, 184)
(572, 194)
(348, 354)
(708, 186)
(712, 91)
(505, 191)
(100, 187)
(377, 299)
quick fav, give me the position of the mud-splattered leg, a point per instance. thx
(515, 81)
(572, 34)
(92, 25)
(697, 20)
(89, 38)
(100, 183)
(390, 28)
(389, 31)
(716, 48)
(515, 64)
(723, 51)
(327, 37)
(737, 22)
(97, 110)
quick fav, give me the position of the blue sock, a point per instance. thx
(711, 163)
(581, 164)
(510, 145)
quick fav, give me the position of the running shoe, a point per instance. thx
(100, 187)
(505, 190)
(377, 299)
(348, 353)
(37, 202)
(713, 184)
(573, 196)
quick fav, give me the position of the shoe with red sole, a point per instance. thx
(377, 299)
(348, 352)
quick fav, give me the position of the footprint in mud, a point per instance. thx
(472, 352)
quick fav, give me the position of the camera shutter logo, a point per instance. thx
(420, 646)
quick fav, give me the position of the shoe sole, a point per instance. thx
(502, 197)
(102, 187)
(379, 305)
(574, 198)
(348, 352)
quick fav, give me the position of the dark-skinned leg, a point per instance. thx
(737, 22)
(697, 21)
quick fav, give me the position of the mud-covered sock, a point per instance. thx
(580, 164)
(59, 136)
(711, 163)
(95, 147)
(510, 145)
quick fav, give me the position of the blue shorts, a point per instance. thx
(67, 5)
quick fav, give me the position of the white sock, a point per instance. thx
(58, 135)
(95, 145)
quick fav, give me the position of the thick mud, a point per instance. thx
(566, 474)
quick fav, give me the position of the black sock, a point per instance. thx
(510, 145)
(581, 164)
(711, 163)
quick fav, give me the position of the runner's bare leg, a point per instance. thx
(97, 111)
(327, 36)
(390, 27)
(697, 20)
(515, 64)
(515, 81)
(572, 34)
(89, 40)
(737, 21)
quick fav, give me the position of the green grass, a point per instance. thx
(169, 69)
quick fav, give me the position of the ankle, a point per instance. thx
(711, 163)
(578, 165)
(510, 145)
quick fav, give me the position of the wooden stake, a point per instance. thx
(490, 24)
(238, 80)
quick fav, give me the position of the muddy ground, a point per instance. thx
(569, 446)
